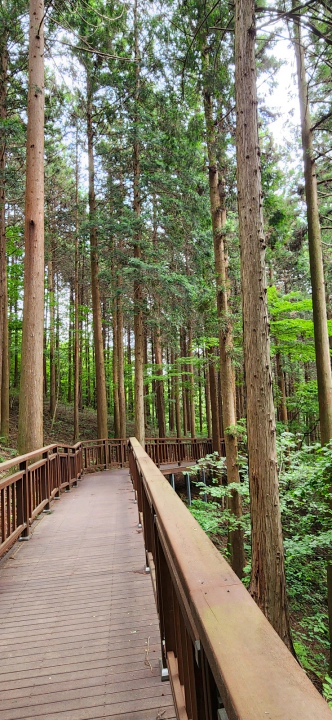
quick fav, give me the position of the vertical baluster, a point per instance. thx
(3, 515)
(9, 509)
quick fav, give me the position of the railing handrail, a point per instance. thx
(8, 464)
(30, 482)
(254, 673)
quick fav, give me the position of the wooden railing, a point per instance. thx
(109, 452)
(224, 660)
(113, 452)
(28, 484)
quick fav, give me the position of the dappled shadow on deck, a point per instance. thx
(79, 636)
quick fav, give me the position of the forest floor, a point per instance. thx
(61, 430)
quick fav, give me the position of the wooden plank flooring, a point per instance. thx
(79, 636)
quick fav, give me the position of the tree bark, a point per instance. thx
(228, 400)
(130, 376)
(192, 387)
(52, 330)
(30, 425)
(172, 394)
(207, 397)
(177, 397)
(138, 291)
(214, 404)
(101, 397)
(70, 344)
(116, 405)
(76, 309)
(322, 347)
(121, 383)
(160, 400)
(183, 352)
(268, 585)
(4, 338)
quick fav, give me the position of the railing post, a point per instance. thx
(46, 481)
(24, 518)
(105, 454)
(58, 474)
(178, 450)
(68, 468)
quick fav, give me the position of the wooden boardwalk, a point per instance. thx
(79, 636)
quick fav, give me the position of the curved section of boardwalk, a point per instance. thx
(79, 636)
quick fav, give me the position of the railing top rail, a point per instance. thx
(256, 675)
(25, 458)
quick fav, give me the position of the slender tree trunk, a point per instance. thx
(138, 291)
(192, 387)
(122, 394)
(16, 367)
(183, 382)
(30, 425)
(76, 309)
(172, 395)
(200, 400)
(95, 289)
(160, 400)
(116, 405)
(228, 400)
(146, 389)
(177, 398)
(70, 344)
(57, 342)
(130, 376)
(268, 585)
(88, 363)
(214, 404)
(323, 359)
(4, 338)
(207, 398)
(52, 331)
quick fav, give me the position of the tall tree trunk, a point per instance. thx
(30, 424)
(207, 398)
(171, 398)
(214, 403)
(101, 397)
(76, 308)
(268, 584)
(52, 331)
(228, 401)
(16, 367)
(146, 388)
(183, 382)
(160, 400)
(192, 386)
(121, 383)
(177, 398)
(138, 291)
(87, 363)
(70, 344)
(323, 358)
(130, 376)
(4, 338)
(116, 405)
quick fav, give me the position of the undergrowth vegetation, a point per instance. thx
(305, 477)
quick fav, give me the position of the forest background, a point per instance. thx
(143, 318)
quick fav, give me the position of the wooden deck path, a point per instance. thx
(79, 636)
